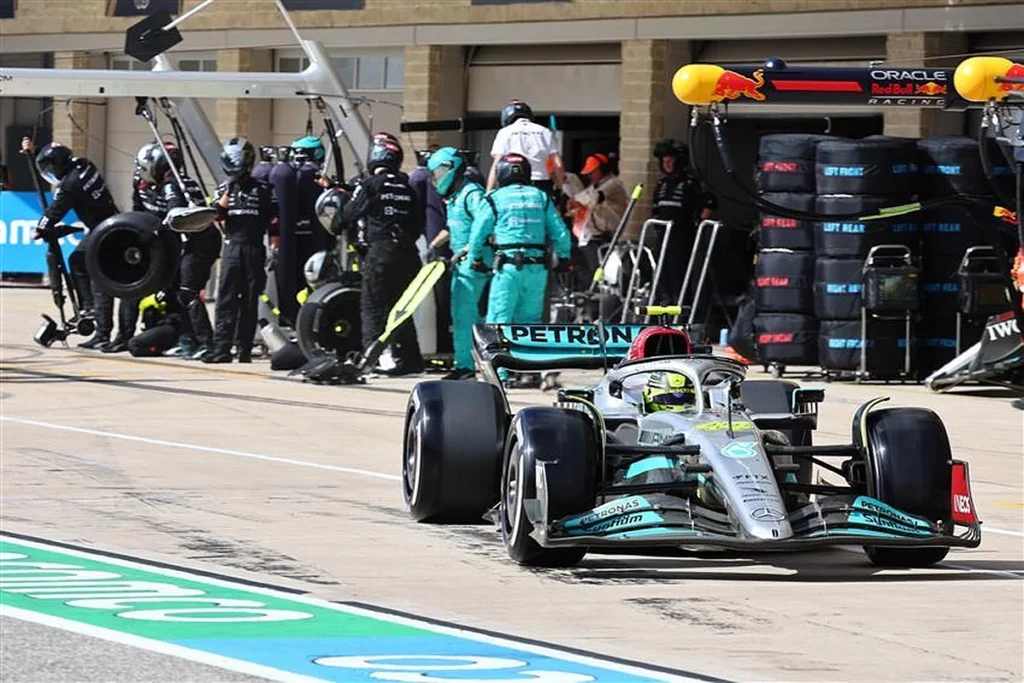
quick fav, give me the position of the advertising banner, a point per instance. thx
(19, 253)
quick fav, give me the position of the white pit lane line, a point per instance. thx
(205, 449)
(282, 461)
(149, 645)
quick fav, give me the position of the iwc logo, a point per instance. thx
(141, 5)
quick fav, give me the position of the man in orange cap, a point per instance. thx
(606, 199)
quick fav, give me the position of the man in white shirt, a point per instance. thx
(520, 135)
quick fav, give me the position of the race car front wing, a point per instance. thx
(666, 520)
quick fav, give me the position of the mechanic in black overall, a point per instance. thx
(79, 187)
(394, 222)
(679, 198)
(158, 192)
(247, 209)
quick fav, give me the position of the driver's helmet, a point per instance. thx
(669, 391)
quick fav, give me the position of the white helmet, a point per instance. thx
(329, 205)
(314, 268)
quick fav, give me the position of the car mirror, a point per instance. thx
(615, 389)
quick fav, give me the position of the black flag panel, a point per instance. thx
(141, 8)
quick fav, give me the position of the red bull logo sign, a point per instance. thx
(733, 86)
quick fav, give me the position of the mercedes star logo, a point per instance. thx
(766, 514)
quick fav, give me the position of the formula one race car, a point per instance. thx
(673, 448)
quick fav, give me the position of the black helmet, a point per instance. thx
(515, 110)
(237, 157)
(151, 163)
(513, 168)
(672, 148)
(54, 162)
(385, 154)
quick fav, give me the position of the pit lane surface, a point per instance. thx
(225, 469)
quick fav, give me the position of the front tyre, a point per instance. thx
(909, 461)
(565, 440)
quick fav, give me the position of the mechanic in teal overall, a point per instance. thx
(464, 199)
(522, 220)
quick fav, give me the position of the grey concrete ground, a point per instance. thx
(313, 515)
(31, 653)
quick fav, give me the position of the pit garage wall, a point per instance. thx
(553, 79)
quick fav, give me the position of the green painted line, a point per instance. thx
(268, 632)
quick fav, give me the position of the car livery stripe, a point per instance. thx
(269, 632)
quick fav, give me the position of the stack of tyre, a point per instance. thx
(950, 165)
(857, 178)
(786, 330)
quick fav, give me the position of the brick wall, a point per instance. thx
(247, 118)
(84, 16)
(645, 71)
(916, 49)
(434, 89)
(64, 129)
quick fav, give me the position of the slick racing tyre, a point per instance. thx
(951, 165)
(876, 165)
(786, 339)
(948, 231)
(785, 162)
(839, 344)
(936, 339)
(130, 255)
(779, 232)
(784, 282)
(837, 288)
(852, 238)
(329, 322)
(451, 458)
(567, 441)
(909, 467)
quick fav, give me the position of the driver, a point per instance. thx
(669, 391)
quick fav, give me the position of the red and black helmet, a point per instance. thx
(513, 169)
(385, 153)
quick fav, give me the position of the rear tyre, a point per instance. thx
(909, 468)
(451, 458)
(567, 440)
(329, 323)
(130, 255)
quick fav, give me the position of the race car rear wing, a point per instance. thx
(541, 347)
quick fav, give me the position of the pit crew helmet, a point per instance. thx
(151, 163)
(309, 148)
(329, 205)
(669, 391)
(672, 148)
(515, 110)
(54, 162)
(385, 154)
(512, 169)
(237, 157)
(446, 166)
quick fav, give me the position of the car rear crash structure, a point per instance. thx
(596, 470)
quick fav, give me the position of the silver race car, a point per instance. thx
(673, 448)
